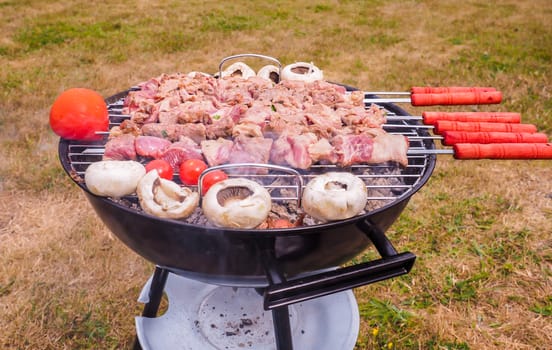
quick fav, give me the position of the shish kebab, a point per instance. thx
(477, 135)
(492, 151)
(498, 134)
(432, 96)
(474, 127)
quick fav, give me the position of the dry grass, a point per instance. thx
(482, 230)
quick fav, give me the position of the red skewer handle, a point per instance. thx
(448, 89)
(445, 125)
(454, 137)
(503, 151)
(489, 117)
(459, 98)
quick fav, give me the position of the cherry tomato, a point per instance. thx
(190, 171)
(164, 169)
(78, 113)
(212, 178)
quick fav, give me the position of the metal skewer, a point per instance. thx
(491, 151)
(434, 90)
(430, 96)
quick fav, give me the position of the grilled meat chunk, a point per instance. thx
(353, 149)
(217, 151)
(236, 120)
(120, 148)
(150, 146)
(250, 150)
(173, 132)
(180, 151)
(293, 150)
(388, 147)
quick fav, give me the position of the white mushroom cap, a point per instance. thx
(195, 74)
(269, 72)
(236, 203)
(165, 198)
(334, 196)
(239, 69)
(302, 71)
(113, 178)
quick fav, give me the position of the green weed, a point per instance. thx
(543, 308)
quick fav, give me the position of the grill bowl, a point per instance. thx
(243, 257)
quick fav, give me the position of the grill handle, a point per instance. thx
(299, 184)
(392, 264)
(503, 151)
(229, 58)
(453, 137)
(448, 89)
(447, 125)
(457, 98)
(430, 118)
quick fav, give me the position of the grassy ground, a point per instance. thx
(482, 230)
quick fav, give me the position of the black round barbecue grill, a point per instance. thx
(285, 266)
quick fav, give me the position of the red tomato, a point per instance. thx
(212, 178)
(164, 169)
(190, 171)
(78, 113)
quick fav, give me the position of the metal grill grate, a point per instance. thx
(385, 182)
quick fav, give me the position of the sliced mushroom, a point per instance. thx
(236, 203)
(303, 71)
(165, 198)
(269, 72)
(239, 69)
(334, 196)
(113, 178)
(195, 74)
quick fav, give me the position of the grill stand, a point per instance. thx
(280, 293)
(155, 294)
(135, 231)
(280, 315)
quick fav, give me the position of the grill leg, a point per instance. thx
(280, 315)
(155, 294)
(282, 328)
